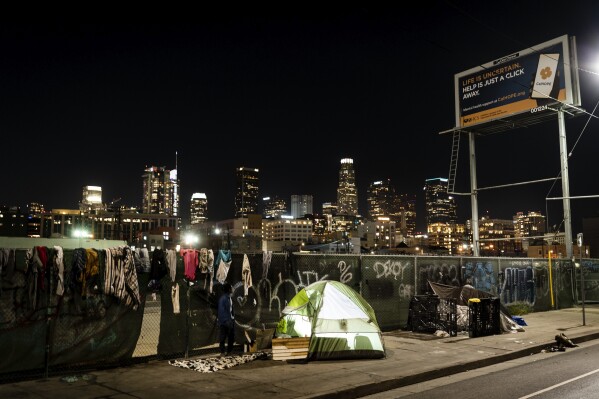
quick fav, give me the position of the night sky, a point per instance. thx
(290, 92)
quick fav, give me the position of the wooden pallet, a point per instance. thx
(290, 348)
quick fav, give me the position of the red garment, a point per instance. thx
(191, 261)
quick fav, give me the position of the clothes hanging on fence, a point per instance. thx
(144, 257)
(175, 298)
(92, 271)
(171, 262)
(266, 259)
(77, 269)
(58, 262)
(246, 274)
(158, 267)
(223, 260)
(207, 266)
(121, 276)
(190, 260)
(7, 264)
(31, 282)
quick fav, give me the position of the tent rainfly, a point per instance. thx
(338, 320)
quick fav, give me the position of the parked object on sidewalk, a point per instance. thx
(429, 314)
(483, 317)
(463, 294)
(338, 320)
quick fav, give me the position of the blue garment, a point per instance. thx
(226, 323)
(225, 309)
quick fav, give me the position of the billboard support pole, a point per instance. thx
(563, 152)
(473, 197)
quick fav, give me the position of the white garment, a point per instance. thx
(210, 269)
(246, 274)
(223, 271)
(171, 263)
(175, 298)
(266, 258)
(59, 265)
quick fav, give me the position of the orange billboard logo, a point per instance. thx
(546, 73)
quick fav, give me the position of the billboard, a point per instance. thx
(523, 82)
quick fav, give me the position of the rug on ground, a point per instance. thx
(212, 364)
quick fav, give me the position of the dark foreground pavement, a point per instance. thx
(410, 358)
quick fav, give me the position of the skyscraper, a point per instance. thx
(440, 206)
(407, 214)
(91, 199)
(347, 192)
(273, 207)
(246, 195)
(441, 215)
(381, 199)
(160, 191)
(198, 208)
(301, 205)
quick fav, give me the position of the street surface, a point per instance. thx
(564, 375)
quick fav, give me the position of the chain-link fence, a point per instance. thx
(42, 333)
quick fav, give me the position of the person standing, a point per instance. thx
(226, 320)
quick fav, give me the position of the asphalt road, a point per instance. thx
(570, 374)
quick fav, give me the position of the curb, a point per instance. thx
(394, 383)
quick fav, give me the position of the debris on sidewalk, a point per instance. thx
(562, 342)
(519, 320)
(212, 364)
(75, 378)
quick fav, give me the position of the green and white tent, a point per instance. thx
(338, 320)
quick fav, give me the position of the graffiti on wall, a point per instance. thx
(518, 284)
(481, 276)
(438, 272)
(399, 270)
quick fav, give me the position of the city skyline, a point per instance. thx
(290, 94)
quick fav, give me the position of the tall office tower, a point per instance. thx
(347, 192)
(246, 196)
(381, 199)
(439, 205)
(406, 214)
(301, 205)
(91, 199)
(160, 191)
(529, 225)
(198, 208)
(273, 207)
(34, 219)
(329, 208)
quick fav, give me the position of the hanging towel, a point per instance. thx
(203, 260)
(175, 298)
(223, 260)
(171, 262)
(266, 258)
(246, 274)
(59, 265)
(208, 258)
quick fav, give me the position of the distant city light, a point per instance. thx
(80, 233)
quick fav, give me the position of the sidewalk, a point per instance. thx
(409, 360)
